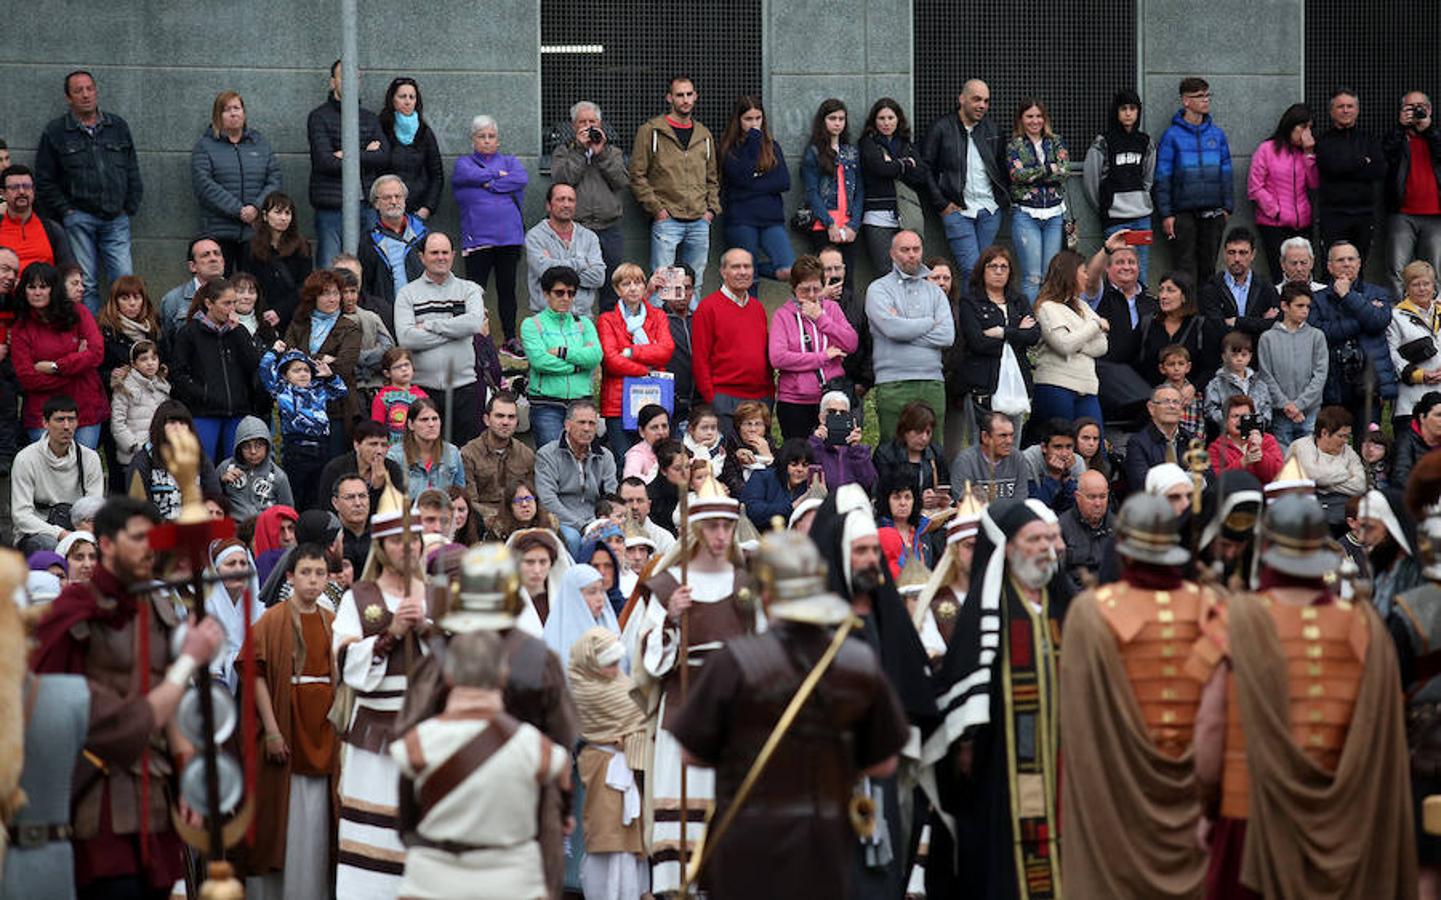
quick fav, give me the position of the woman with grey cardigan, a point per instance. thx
(232, 169)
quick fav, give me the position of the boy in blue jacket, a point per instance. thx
(1194, 193)
(301, 387)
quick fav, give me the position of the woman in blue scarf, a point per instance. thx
(414, 153)
(582, 606)
(597, 552)
(321, 331)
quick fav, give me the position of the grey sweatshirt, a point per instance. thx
(452, 314)
(544, 249)
(1294, 364)
(39, 478)
(261, 487)
(1005, 480)
(911, 326)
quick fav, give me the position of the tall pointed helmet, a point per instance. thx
(967, 520)
(1292, 479)
(389, 516)
(913, 577)
(710, 501)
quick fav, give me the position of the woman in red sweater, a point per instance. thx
(1255, 451)
(634, 342)
(57, 349)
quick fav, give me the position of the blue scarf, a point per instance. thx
(406, 127)
(635, 324)
(321, 324)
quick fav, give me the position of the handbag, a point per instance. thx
(909, 212)
(803, 219)
(1010, 396)
(59, 514)
(1417, 351)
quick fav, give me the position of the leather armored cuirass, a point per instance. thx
(1325, 649)
(1155, 631)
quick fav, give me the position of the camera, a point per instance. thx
(594, 135)
(838, 428)
(1419, 112)
(1249, 423)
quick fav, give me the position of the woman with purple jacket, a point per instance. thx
(808, 342)
(842, 457)
(489, 188)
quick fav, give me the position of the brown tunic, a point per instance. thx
(710, 623)
(604, 832)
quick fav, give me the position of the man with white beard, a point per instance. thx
(996, 752)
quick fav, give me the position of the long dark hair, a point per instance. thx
(978, 272)
(903, 127)
(1124, 97)
(1187, 287)
(168, 411)
(821, 139)
(792, 450)
(766, 159)
(1060, 283)
(411, 443)
(209, 292)
(387, 113)
(60, 314)
(292, 242)
(504, 523)
(1295, 114)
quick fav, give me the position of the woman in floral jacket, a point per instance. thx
(1037, 160)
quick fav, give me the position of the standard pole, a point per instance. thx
(349, 130)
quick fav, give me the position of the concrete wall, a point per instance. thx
(160, 65)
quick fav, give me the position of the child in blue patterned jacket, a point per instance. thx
(301, 387)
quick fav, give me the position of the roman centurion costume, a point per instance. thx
(1128, 709)
(1302, 722)
(793, 835)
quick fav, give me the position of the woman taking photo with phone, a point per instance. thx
(831, 174)
(808, 342)
(837, 448)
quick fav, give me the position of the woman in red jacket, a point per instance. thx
(57, 349)
(1255, 450)
(634, 342)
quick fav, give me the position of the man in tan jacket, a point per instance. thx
(494, 458)
(674, 175)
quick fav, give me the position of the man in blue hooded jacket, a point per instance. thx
(1194, 193)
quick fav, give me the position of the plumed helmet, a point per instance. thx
(1149, 531)
(1295, 538)
(792, 577)
(489, 596)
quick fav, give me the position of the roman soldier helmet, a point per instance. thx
(1149, 532)
(1423, 502)
(1295, 538)
(1292, 479)
(792, 577)
(489, 595)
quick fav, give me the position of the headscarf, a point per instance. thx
(1164, 476)
(42, 560)
(267, 527)
(73, 538)
(587, 552)
(570, 616)
(519, 544)
(220, 606)
(605, 709)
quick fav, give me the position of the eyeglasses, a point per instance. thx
(562, 292)
(24, 186)
(999, 267)
(526, 498)
(1202, 95)
(1166, 402)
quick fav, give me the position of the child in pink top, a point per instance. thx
(392, 402)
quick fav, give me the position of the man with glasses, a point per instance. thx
(350, 499)
(1163, 440)
(32, 237)
(1194, 193)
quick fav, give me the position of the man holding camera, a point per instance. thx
(1246, 444)
(1413, 202)
(595, 167)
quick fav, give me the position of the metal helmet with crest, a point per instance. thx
(488, 598)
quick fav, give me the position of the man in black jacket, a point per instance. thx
(1124, 303)
(678, 314)
(322, 129)
(857, 365)
(1239, 295)
(1161, 441)
(1413, 187)
(966, 176)
(1352, 166)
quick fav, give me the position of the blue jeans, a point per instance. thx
(1287, 431)
(1036, 240)
(85, 435)
(1143, 253)
(547, 423)
(329, 231)
(968, 237)
(1051, 402)
(94, 241)
(618, 440)
(217, 436)
(772, 242)
(572, 541)
(688, 242)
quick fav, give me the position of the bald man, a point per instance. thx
(911, 327)
(728, 342)
(1087, 527)
(966, 176)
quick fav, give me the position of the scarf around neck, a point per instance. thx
(406, 127)
(321, 324)
(634, 324)
(135, 331)
(210, 323)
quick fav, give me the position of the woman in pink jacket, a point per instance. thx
(1283, 169)
(809, 339)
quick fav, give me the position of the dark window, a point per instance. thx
(619, 54)
(1070, 54)
(1378, 50)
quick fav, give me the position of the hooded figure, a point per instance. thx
(266, 544)
(229, 601)
(596, 542)
(1393, 560)
(572, 616)
(253, 488)
(1230, 510)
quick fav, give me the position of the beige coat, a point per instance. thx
(1071, 342)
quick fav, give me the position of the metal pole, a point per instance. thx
(349, 130)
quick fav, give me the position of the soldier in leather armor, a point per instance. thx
(122, 785)
(792, 837)
(1128, 706)
(1300, 728)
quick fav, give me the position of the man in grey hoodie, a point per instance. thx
(911, 327)
(250, 478)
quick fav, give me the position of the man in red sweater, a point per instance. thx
(728, 342)
(1255, 451)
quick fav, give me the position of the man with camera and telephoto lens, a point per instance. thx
(1354, 315)
(595, 167)
(1413, 197)
(1245, 443)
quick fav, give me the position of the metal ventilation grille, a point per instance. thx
(1070, 54)
(1378, 50)
(621, 53)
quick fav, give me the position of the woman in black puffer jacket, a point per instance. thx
(232, 169)
(414, 153)
(991, 315)
(214, 369)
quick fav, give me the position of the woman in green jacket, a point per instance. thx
(563, 352)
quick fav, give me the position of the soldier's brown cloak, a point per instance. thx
(1312, 833)
(1128, 811)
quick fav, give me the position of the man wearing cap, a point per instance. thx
(374, 640)
(489, 600)
(995, 826)
(711, 607)
(793, 836)
(1128, 708)
(1300, 728)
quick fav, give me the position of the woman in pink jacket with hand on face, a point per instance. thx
(809, 338)
(1283, 169)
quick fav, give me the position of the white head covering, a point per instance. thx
(42, 587)
(220, 606)
(570, 616)
(73, 538)
(1164, 476)
(1374, 505)
(852, 502)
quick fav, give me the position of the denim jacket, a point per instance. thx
(98, 174)
(820, 187)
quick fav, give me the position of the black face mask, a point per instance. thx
(866, 581)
